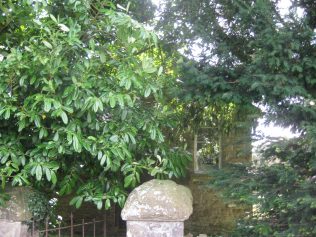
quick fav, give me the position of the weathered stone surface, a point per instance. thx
(158, 200)
(188, 235)
(154, 229)
(16, 208)
(157, 208)
(14, 229)
(211, 214)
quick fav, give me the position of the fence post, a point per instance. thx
(71, 225)
(104, 225)
(82, 227)
(33, 227)
(59, 230)
(46, 227)
(93, 227)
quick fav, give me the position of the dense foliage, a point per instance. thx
(281, 190)
(81, 105)
(246, 52)
(42, 208)
(86, 98)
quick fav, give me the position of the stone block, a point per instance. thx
(14, 229)
(157, 208)
(154, 229)
(16, 208)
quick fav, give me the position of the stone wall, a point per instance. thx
(236, 145)
(211, 215)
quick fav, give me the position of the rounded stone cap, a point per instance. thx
(158, 200)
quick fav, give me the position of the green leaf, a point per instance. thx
(53, 18)
(112, 101)
(47, 105)
(7, 114)
(37, 22)
(64, 117)
(108, 163)
(114, 138)
(61, 150)
(79, 202)
(99, 205)
(153, 133)
(102, 57)
(76, 143)
(21, 81)
(128, 180)
(37, 121)
(53, 177)
(39, 172)
(124, 114)
(64, 27)
(160, 70)
(100, 154)
(21, 125)
(121, 201)
(107, 204)
(128, 84)
(148, 66)
(73, 201)
(47, 44)
(137, 177)
(48, 174)
(56, 137)
(132, 138)
(102, 161)
(147, 92)
(154, 171)
(42, 133)
(121, 101)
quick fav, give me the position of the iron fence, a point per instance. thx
(58, 230)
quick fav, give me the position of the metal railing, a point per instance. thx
(58, 230)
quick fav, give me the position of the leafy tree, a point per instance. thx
(249, 53)
(281, 190)
(246, 52)
(81, 106)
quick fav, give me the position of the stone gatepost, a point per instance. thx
(157, 208)
(14, 213)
